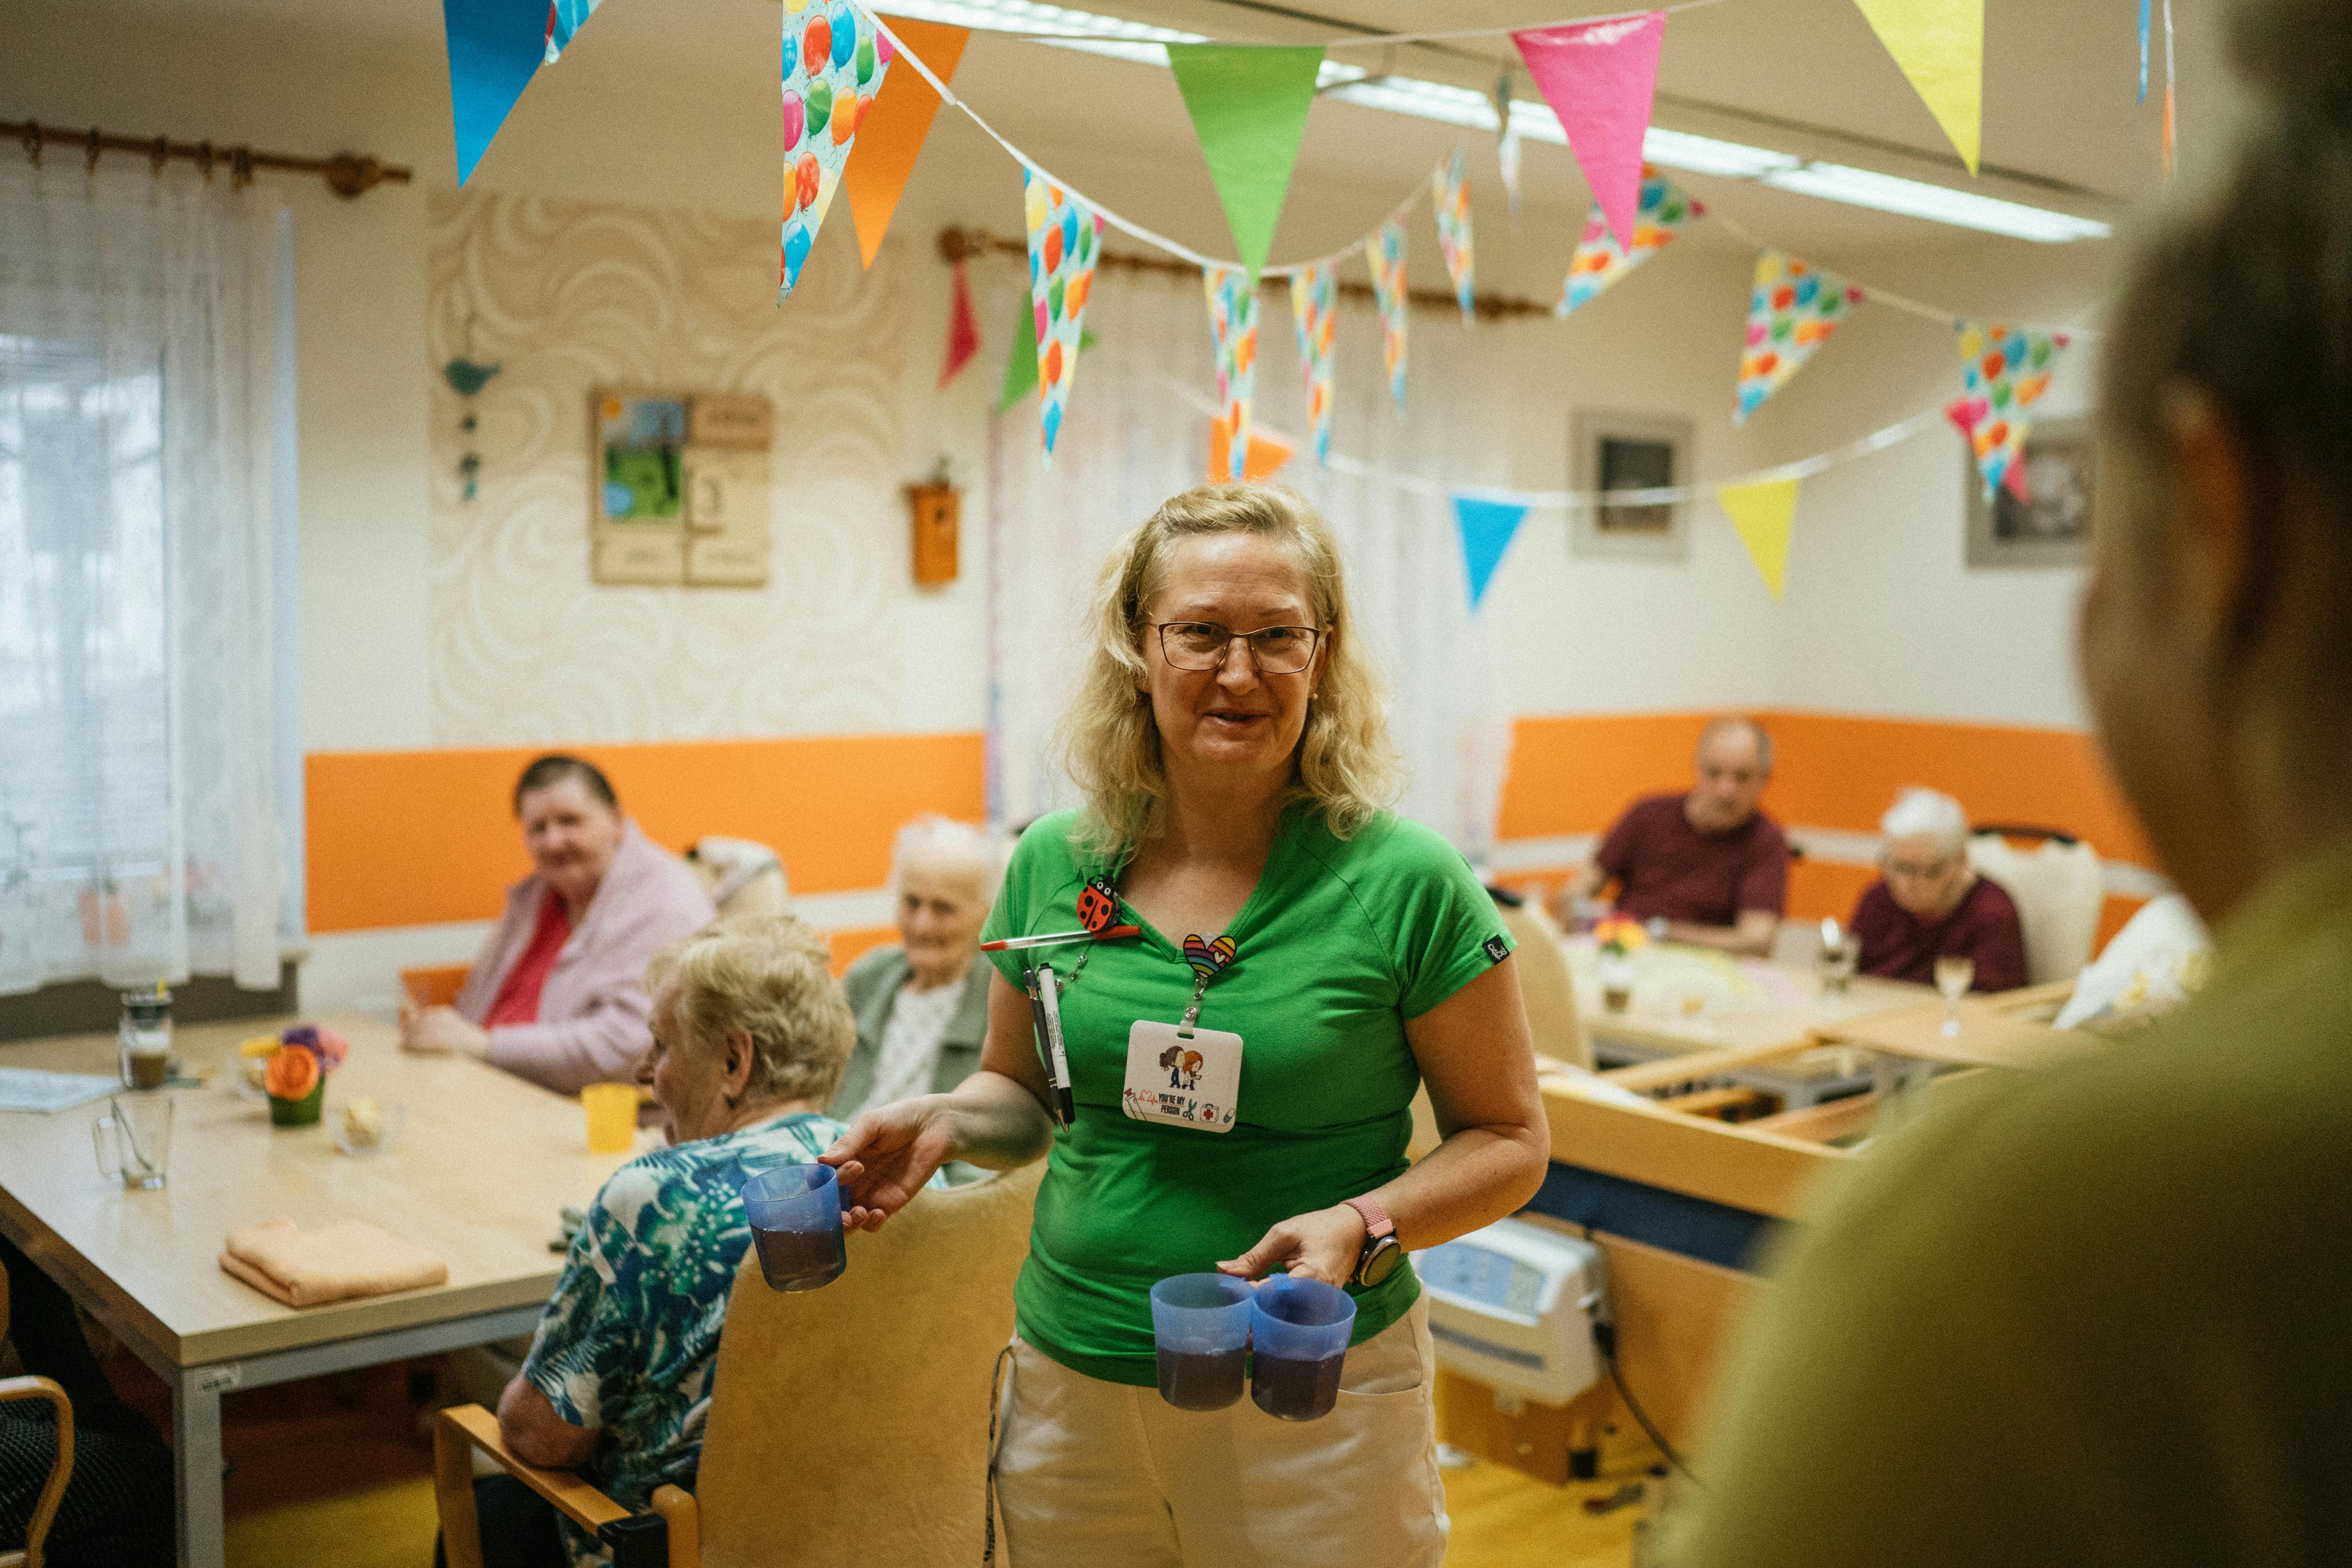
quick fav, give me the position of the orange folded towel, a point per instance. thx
(333, 1263)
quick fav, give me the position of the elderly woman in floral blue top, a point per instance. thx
(750, 1034)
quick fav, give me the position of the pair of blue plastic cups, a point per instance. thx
(1294, 1333)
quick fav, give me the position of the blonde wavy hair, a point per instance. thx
(1345, 763)
(769, 976)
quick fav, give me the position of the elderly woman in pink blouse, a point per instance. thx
(556, 995)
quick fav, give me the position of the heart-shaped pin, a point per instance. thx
(1208, 957)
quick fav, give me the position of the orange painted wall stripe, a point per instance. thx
(1573, 773)
(397, 838)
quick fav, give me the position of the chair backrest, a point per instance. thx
(1546, 984)
(743, 878)
(850, 1424)
(2059, 890)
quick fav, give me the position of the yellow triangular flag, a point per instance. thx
(1939, 43)
(1762, 512)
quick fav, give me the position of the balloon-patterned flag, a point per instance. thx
(1064, 237)
(1385, 251)
(1601, 261)
(1232, 323)
(834, 60)
(1314, 312)
(1791, 310)
(1449, 189)
(2008, 371)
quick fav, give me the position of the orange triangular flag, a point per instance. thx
(892, 132)
(1263, 460)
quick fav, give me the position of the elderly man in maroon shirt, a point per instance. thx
(1928, 904)
(1706, 868)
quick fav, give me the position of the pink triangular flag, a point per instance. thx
(1599, 77)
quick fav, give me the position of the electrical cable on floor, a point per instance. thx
(1605, 1335)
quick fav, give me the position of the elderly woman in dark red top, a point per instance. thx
(1928, 904)
(556, 995)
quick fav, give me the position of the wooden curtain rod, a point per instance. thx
(347, 175)
(957, 244)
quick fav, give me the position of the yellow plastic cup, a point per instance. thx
(612, 1110)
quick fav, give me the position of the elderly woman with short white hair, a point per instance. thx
(922, 1005)
(1324, 959)
(1928, 903)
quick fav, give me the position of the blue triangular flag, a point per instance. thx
(1486, 529)
(494, 47)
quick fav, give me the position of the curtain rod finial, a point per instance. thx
(349, 177)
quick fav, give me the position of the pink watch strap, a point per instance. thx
(1376, 1218)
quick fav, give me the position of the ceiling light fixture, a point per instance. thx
(1121, 39)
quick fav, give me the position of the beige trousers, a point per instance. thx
(1102, 1475)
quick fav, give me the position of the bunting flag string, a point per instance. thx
(1232, 323)
(963, 333)
(495, 48)
(1791, 310)
(1762, 514)
(1486, 529)
(1449, 194)
(1600, 260)
(1263, 456)
(1385, 253)
(1940, 45)
(1507, 143)
(1315, 315)
(1021, 364)
(1065, 237)
(1249, 108)
(835, 62)
(2008, 371)
(892, 135)
(1600, 79)
(2144, 6)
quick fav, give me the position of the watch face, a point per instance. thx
(1385, 1257)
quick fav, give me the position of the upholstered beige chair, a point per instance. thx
(847, 1425)
(2060, 891)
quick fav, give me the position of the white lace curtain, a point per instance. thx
(1132, 437)
(145, 430)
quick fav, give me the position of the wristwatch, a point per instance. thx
(1381, 1252)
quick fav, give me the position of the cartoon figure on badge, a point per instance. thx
(1183, 1067)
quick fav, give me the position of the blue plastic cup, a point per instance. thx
(1298, 1336)
(795, 1214)
(1201, 1327)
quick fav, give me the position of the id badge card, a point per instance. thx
(1191, 1080)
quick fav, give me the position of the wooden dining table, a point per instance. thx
(478, 1172)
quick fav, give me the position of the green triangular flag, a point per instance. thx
(1249, 108)
(1021, 370)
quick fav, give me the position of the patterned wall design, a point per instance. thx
(569, 296)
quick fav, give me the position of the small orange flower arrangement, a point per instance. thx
(295, 1072)
(1620, 936)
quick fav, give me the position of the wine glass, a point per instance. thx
(1953, 978)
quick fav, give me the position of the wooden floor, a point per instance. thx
(371, 1506)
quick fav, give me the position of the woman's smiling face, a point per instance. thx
(1235, 716)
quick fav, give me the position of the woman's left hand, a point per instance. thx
(1323, 1245)
(440, 1032)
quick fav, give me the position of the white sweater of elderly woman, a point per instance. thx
(1230, 738)
(556, 993)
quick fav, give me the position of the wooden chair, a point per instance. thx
(848, 1423)
(53, 1490)
(1546, 984)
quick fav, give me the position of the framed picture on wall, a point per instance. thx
(1630, 452)
(2053, 527)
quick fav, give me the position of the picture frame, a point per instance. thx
(1617, 451)
(2052, 529)
(678, 488)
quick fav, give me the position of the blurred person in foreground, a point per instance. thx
(1929, 903)
(553, 996)
(2102, 1313)
(1706, 867)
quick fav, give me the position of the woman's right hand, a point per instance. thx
(887, 1155)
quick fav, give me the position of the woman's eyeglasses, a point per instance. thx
(1201, 644)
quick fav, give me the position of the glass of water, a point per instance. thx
(1953, 978)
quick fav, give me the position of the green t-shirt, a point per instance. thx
(2098, 1315)
(1341, 942)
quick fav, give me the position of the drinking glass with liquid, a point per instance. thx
(1298, 1346)
(1201, 1328)
(795, 1216)
(145, 1036)
(1953, 978)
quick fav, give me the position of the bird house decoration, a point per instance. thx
(935, 507)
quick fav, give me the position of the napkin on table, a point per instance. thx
(333, 1263)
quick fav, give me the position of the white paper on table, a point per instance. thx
(28, 1089)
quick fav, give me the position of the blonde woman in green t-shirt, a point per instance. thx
(1231, 739)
